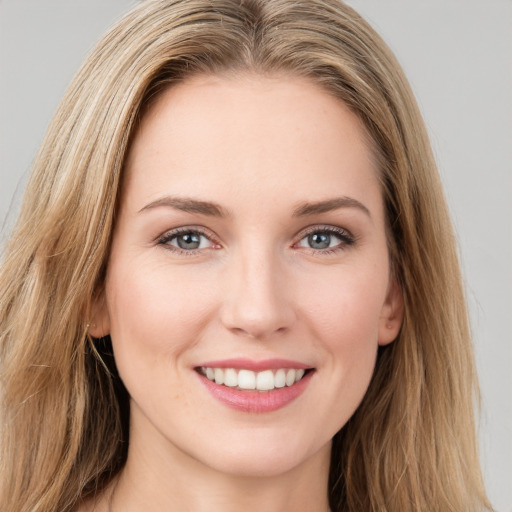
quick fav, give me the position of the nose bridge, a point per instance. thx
(256, 302)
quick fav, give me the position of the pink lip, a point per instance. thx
(255, 366)
(256, 401)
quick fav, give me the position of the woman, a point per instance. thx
(233, 283)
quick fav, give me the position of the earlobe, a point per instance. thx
(99, 320)
(392, 314)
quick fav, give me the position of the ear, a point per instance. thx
(392, 313)
(99, 320)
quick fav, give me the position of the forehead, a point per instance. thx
(247, 133)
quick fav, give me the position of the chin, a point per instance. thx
(263, 455)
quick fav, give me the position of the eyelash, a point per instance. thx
(346, 239)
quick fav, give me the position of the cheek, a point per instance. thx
(345, 319)
(346, 309)
(155, 312)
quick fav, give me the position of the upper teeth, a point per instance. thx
(247, 379)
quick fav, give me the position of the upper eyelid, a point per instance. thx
(324, 227)
(187, 229)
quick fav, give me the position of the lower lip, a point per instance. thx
(256, 401)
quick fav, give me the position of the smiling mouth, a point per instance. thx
(248, 380)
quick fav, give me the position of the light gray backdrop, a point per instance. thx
(458, 57)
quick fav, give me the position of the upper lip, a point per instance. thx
(256, 366)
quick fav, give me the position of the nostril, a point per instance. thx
(257, 332)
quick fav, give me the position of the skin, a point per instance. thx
(259, 148)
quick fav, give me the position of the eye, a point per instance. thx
(326, 239)
(186, 240)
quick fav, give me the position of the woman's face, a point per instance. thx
(250, 243)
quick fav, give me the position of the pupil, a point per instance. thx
(188, 241)
(319, 240)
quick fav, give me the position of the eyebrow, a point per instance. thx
(187, 204)
(329, 205)
(209, 208)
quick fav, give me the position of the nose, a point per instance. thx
(256, 301)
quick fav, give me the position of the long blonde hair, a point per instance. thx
(411, 444)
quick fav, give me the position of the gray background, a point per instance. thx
(458, 57)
